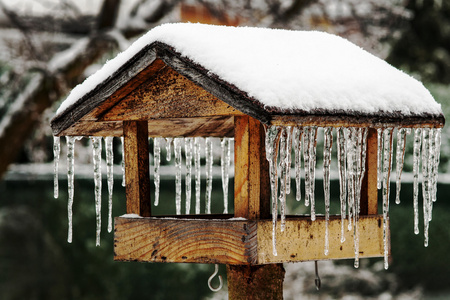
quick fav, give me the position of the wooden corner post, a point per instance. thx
(252, 201)
(137, 176)
(369, 190)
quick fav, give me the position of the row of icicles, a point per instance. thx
(351, 154)
(192, 150)
(280, 141)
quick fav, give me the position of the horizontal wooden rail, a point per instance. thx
(240, 241)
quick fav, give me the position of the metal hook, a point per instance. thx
(220, 280)
(317, 280)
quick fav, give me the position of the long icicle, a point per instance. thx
(70, 141)
(97, 158)
(436, 162)
(416, 161)
(197, 173)
(342, 166)
(387, 162)
(272, 138)
(379, 158)
(327, 147)
(225, 166)
(312, 170)
(297, 141)
(188, 147)
(177, 151)
(306, 148)
(123, 160)
(56, 154)
(209, 177)
(110, 177)
(400, 158)
(283, 171)
(156, 167)
(425, 182)
(288, 158)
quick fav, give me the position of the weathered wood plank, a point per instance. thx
(168, 95)
(215, 126)
(369, 190)
(304, 240)
(184, 240)
(343, 120)
(251, 192)
(240, 242)
(137, 176)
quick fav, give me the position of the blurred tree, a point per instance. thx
(424, 46)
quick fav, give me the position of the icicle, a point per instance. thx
(109, 176)
(70, 141)
(352, 166)
(387, 162)
(225, 165)
(425, 182)
(288, 158)
(209, 177)
(312, 169)
(342, 154)
(283, 171)
(379, 154)
(296, 140)
(437, 147)
(169, 142)
(327, 144)
(361, 169)
(188, 147)
(97, 158)
(400, 157)
(272, 137)
(306, 156)
(156, 166)
(177, 151)
(123, 161)
(416, 156)
(56, 152)
(197, 173)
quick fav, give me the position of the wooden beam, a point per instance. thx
(334, 119)
(241, 242)
(137, 174)
(304, 240)
(251, 177)
(369, 190)
(184, 240)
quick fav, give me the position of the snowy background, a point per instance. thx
(48, 46)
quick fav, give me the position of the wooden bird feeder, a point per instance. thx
(161, 89)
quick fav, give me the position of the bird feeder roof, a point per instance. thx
(275, 76)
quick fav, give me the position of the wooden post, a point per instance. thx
(369, 190)
(137, 174)
(252, 201)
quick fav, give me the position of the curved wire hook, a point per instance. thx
(220, 280)
(317, 280)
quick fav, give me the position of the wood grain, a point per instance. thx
(184, 240)
(369, 190)
(137, 175)
(251, 191)
(304, 240)
(240, 242)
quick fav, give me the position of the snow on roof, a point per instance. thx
(284, 69)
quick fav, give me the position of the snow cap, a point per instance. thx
(285, 70)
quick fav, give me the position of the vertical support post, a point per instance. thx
(252, 201)
(137, 174)
(251, 179)
(369, 190)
